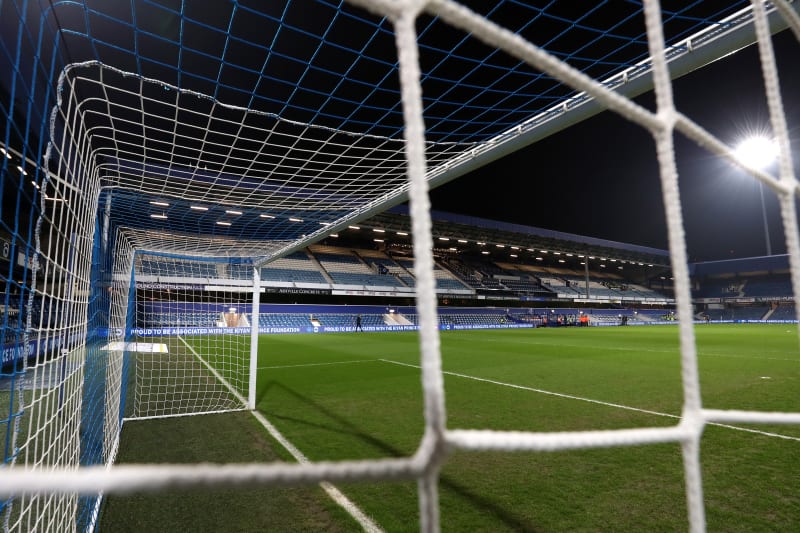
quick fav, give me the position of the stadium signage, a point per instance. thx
(447, 327)
(339, 292)
(151, 332)
(158, 332)
(169, 286)
(297, 290)
(15, 351)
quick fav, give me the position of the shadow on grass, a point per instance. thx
(344, 426)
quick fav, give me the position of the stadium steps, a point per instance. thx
(363, 261)
(396, 319)
(382, 259)
(455, 276)
(319, 266)
(741, 288)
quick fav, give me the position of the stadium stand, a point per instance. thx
(785, 311)
(754, 312)
(170, 269)
(768, 286)
(445, 280)
(283, 320)
(347, 268)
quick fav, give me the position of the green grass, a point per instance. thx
(212, 438)
(336, 396)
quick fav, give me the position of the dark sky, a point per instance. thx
(600, 178)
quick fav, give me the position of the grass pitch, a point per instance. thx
(349, 396)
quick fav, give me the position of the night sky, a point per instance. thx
(600, 178)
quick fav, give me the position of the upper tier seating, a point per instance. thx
(444, 279)
(174, 268)
(346, 268)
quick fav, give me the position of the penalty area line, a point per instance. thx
(333, 492)
(597, 402)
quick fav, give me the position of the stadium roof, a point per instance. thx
(750, 265)
(483, 240)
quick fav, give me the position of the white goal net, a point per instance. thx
(162, 189)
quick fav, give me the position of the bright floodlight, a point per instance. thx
(757, 151)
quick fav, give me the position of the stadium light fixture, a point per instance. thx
(354, 227)
(200, 208)
(485, 252)
(500, 245)
(463, 241)
(232, 212)
(295, 219)
(378, 240)
(444, 239)
(159, 203)
(264, 215)
(402, 233)
(540, 258)
(22, 170)
(158, 216)
(513, 255)
(378, 230)
(5, 152)
(759, 151)
(223, 223)
(334, 235)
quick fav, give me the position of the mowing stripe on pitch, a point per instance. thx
(589, 400)
(701, 353)
(335, 494)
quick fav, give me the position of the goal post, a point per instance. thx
(255, 320)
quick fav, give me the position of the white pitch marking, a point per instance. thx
(319, 364)
(335, 494)
(598, 402)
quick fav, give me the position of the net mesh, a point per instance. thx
(135, 134)
(191, 336)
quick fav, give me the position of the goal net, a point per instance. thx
(190, 335)
(152, 172)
